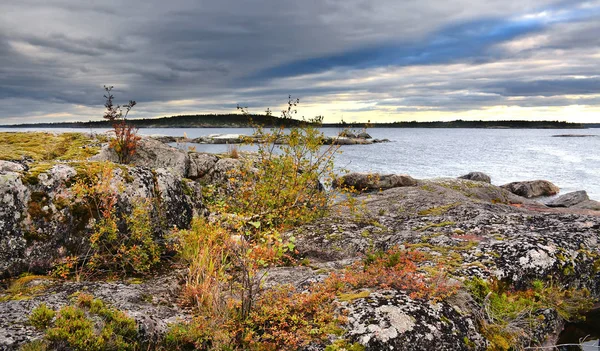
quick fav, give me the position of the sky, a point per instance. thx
(350, 60)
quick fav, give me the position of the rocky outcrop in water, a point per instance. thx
(570, 199)
(533, 188)
(477, 176)
(346, 139)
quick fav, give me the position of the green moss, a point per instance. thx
(36, 345)
(435, 225)
(428, 187)
(470, 344)
(596, 266)
(353, 296)
(344, 345)
(22, 289)
(31, 176)
(445, 320)
(187, 190)
(438, 211)
(46, 146)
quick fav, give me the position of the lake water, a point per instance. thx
(505, 154)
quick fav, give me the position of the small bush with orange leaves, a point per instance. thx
(126, 138)
(396, 269)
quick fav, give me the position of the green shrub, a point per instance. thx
(87, 325)
(41, 316)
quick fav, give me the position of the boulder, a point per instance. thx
(201, 164)
(14, 196)
(364, 135)
(374, 181)
(477, 176)
(569, 199)
(392, 320)
(165, 138)
(153, 154)
(222, 169)
(533, 188)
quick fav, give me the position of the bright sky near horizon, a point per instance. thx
(356, 60)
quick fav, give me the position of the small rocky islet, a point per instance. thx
(487, 240)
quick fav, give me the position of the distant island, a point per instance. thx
(241, 121)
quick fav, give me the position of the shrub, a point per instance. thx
(283, 185)
(41, 316)
(395, 269)
(206, 249)
(126, 138)
(87, 325)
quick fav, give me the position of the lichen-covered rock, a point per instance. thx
(201, 164)
(8, 166)
(374, 181)
(13, 203)
(42, 220)
(474, 229)
(533, 188)
(153, 154)
(391, 320)
(222, 169)
(477, 176)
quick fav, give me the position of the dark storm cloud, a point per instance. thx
(552, 87)
(56, 55)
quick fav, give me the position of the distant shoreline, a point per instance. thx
(246, 121)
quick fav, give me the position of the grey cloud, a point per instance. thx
(156, 51)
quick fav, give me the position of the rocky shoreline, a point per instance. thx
(346, 139)
(476, 229)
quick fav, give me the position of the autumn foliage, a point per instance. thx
(126, 138)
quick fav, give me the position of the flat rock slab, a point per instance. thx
(569, 199)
